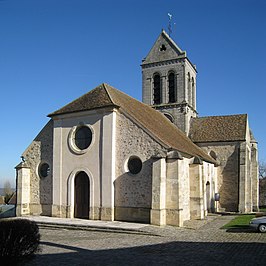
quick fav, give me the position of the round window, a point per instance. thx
(44, 170)
(134, 165)
(83, 137)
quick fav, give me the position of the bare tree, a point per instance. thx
(262, 170)
(8, 191)
(7, 187)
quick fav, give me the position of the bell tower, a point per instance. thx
(169, 82)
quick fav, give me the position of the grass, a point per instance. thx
(241, 221)
(263, 209)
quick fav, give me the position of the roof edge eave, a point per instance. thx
(166, 145)
(216, 141)
(80, 111)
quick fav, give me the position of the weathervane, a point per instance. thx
(170, 24)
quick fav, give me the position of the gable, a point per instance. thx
(94, 99)
(219, 128)
(163, 49)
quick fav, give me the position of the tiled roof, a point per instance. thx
(155, 123)
(218, 128)
(97, 98)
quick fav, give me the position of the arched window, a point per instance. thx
(193, 92)
(172, 88)
(157, 89)
(168, 116)
(189, 93)
(213, 155)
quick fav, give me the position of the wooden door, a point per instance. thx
(82, 196)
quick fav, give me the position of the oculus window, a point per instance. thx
(134, 165)
(83, 137)
(44, 170)
(80, 138)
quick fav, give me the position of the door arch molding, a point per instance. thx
(71, 191)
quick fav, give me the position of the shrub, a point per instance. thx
(19, 238)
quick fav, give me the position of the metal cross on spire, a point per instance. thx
(170, 24)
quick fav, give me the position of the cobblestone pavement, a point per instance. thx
(202, 244)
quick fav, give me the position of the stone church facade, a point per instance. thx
(107, 156)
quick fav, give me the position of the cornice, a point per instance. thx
(163, 63)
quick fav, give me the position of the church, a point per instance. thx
(107, 156)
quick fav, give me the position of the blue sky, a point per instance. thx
(53, 51)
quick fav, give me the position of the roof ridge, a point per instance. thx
(209, 116)
(106, 87)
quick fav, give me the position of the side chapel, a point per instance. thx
(107, 156)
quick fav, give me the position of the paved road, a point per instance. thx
(205, 245)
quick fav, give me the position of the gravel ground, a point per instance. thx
(202, 244)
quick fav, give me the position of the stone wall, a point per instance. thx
(203, 186)
(181, 114)
(185, 106)
(185, 189)
(163, 69)
(255, 176)
(196, 191)
(209, 187)
(133, 193)
(40, 150)
(177, 191)
(227, 172)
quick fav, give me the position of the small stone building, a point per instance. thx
(107, 156)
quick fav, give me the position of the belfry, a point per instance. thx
(169, 82)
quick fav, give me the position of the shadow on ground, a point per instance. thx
(172, 253)
(241, 229)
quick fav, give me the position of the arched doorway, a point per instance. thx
(208, 196)
(82, 196)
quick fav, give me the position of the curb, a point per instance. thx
(94, 228)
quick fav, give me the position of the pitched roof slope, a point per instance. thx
(218, 128)
(151, 120)
(94, 99)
